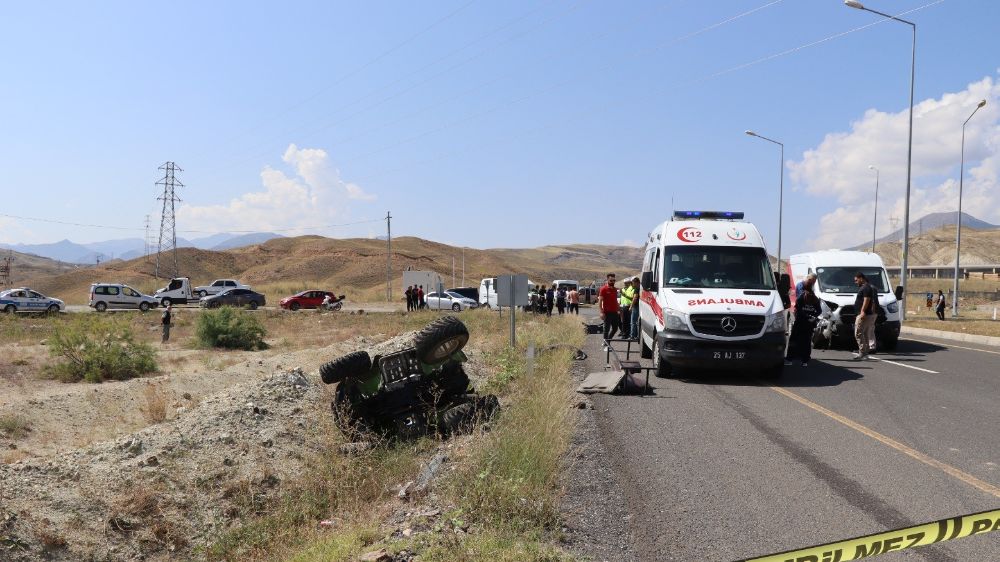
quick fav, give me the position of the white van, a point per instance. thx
(835, 287)
(488, 292)
(567, 284)
(709, 297)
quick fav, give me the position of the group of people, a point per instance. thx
(415, 298)
(619, 309)
(808, 312)
(545, 300)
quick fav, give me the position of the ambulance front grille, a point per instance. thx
(717, 324)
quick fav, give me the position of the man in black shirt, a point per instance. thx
(864, 325)
(165, 322)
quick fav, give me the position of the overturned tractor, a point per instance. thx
(419, 390)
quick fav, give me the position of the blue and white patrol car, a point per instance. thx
(26, 300)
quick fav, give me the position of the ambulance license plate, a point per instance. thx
(729, 355)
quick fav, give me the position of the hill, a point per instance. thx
(27, 267)
(131, 248)
(931, 222)
(354, 266)
(937, 247)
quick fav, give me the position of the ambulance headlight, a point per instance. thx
(892, 307)
(674, 320)
(776, 323)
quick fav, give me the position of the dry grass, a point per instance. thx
(14, 426)
(155, 408)
(965, 325)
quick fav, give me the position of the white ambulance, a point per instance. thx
(835, 287)
(709, 297)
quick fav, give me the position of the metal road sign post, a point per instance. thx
(512, 291)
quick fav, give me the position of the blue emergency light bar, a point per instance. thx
(723, 215)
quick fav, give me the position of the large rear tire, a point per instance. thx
(440, 339)
(350, 365)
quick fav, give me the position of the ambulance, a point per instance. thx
(710, 300)
(835, 287)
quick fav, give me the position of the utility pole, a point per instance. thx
(168, 226)
(388, 256)
(463, 267)
(452, 271)
(5, 269)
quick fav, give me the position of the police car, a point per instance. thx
(26, 300)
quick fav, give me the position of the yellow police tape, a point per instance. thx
(891, 541)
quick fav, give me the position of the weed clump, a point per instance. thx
(97, 349)
(230, 328)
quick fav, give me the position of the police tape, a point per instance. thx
(891, 541)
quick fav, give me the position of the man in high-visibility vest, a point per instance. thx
(625, 301)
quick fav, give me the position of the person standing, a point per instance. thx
(941, 304)
(807, 312)
(805, 285)
(550, 300)
(573, 298)
(420, 297)
(607, 303)
(165, 320)
(409, 298)
(625, 305)
(561, 300)
(864, 324)
(634, 327)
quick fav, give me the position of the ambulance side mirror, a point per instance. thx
(784, 287)
(647, 281)
(899, 292)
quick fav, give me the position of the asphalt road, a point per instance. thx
(728, 467)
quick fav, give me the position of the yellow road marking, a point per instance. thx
(955, 346)
(908, 451)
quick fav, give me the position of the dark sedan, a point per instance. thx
(234, 297)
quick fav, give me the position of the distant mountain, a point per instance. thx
(931, 222)
(131, 248)
(245, 240)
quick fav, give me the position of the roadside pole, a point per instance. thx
(512, 309)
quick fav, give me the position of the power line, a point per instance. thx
(139, 228)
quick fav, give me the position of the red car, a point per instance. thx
(308, 299)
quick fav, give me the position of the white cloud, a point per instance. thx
(314, 195)
(838, 168)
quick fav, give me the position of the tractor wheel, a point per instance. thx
(345, 367)
(440, 339)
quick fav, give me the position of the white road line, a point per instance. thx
(905, 365)
(955, 346)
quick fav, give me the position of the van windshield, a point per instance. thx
(717, 267)
(841, 279)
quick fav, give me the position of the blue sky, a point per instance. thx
(489, 124)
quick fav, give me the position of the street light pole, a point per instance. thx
(875, 218)
(958, 223)
(903, 269)
(781, 188)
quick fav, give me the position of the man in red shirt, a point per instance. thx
(607, 303)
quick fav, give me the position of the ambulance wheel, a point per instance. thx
(645, 352)
(663, 369)
(774, 373)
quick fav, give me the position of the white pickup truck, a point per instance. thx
(218, 286)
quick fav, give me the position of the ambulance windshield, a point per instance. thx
(717, 267)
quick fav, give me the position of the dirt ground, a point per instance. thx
(155, 468)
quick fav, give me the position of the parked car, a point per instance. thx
(218, 286)
(449, 301)
(26, 300)
(116, 295)
(234, 297)
(467, 292)
(178, 291)
(308, 299)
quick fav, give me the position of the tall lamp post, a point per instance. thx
(903, 270)
(958, 225)
(875, 217)
(781, 187)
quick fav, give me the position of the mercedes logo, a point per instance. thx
(728, 323)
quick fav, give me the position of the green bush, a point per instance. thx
(95, 349)
(230, 328)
